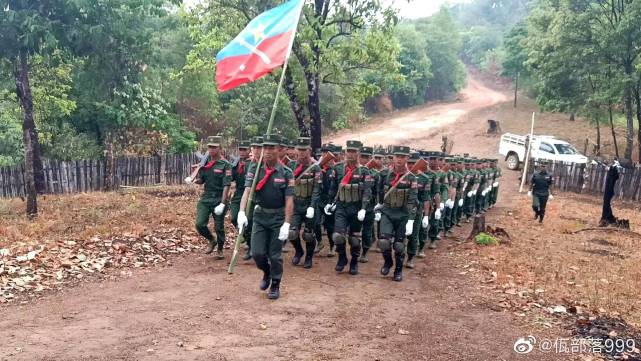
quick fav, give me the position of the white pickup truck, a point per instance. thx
(512, 146)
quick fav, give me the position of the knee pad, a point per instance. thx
(338, 238)
(384, 244)
(308, 237)
(354, 241)
(399, 247)
(293, 234)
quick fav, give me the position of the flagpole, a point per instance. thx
(250, 199)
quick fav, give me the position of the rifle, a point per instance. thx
(420, 166)
(328, 157)
(197, 167)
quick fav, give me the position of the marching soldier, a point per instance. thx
(438, 197)
(238, 170)
(432, 196)
(368, 224)
(308, 183)
(353, 189)
(272, 214)
(482, 184)
(460, 189)
(495, 186)
(540, 190)
(216, 177)
(326, 197)
(398, 210)
(452, 179)
(421, 221)
(283, 143)
(470, 200)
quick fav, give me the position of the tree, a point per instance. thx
(338, 44)
(515, 55)
(443, 44)
(27, 28)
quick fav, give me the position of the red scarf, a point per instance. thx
(348, 175)
(241, 167)
(397, 178)
(268, 173)
(209, 165)
(298, 170)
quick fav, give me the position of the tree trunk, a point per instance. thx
(516, 88)
(572, 117)
(598, 138)
(629, 135)
(614, 134)
(297, 108)
(637, 93)
(313, 106)
(109, 163)
(29, 133)
(478, 226)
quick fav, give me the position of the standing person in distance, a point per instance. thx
(540, 190)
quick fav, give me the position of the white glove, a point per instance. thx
(441, 206)
(426, 222)
(551, 196)
(219, 209)
(310, 213)
(284, 232)
(483, 193)
(470, 194)
(437, 214)
(242, 221)
(476, 191)
(377, 216)
(529, 193)
(496, 184)
(361, 215)
(450, 204)
(378, 206)
(188, 180)
(460, 202)
(328, 209)
(409, 227)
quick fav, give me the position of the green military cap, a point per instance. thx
(244, 144)
(337, 148)
(353, 145)
(257, 141)
(414, 157)
(400, 150)
(282, 141)
(327, 147)
(214, 141)
(380, 152)
(271, 139)
(367, 150)
(303, 143)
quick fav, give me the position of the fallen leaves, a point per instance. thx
(32, 267)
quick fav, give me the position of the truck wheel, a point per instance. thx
(512, 161)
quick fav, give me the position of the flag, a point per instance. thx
(262, 46)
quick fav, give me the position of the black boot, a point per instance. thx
(355, 252)
(264, 283)
(536, 212)
(210, 247)
(541, 215)
(299, 252)
(274, 291)
(387, 257)
(342, 257)
(398, 267)
(310, 247)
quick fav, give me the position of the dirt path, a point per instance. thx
(193, 310)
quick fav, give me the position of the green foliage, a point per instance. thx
(415, 68)
(443, 44)
(484, 239)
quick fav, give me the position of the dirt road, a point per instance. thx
(194, 310)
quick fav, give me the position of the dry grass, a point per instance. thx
(594, 269)
(98, 214)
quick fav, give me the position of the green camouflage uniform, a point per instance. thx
(214, 179)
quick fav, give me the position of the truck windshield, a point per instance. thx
(565, 149)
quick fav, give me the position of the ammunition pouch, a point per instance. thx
(350, 193)
(304, 188)
(397, 198)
